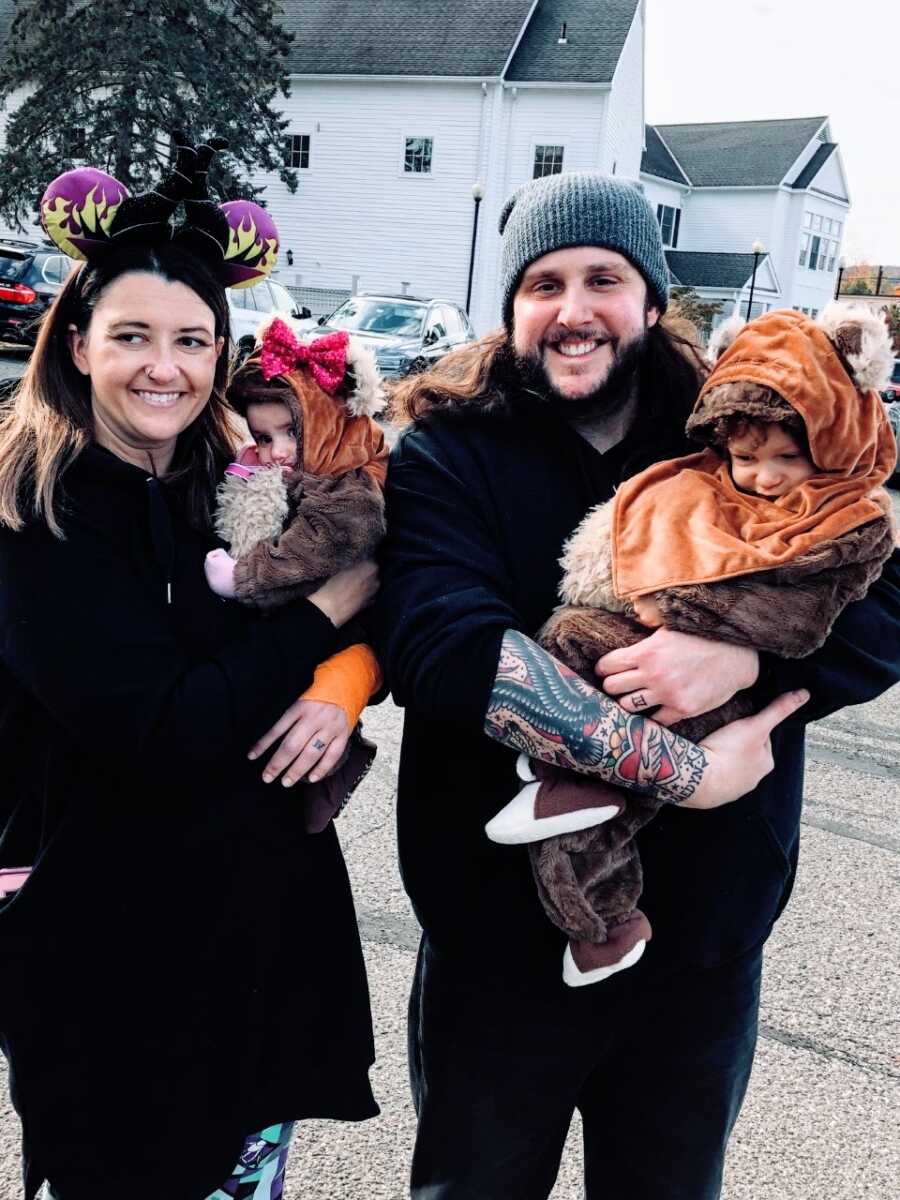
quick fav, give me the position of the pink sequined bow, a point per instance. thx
(326, 357)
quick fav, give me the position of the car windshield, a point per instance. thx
(379, 316)
(895, 375)
(12, 267)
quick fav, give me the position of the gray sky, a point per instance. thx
(744, 60)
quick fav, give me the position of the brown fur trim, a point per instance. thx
(338, 521)
(788, 611)
(712, 423)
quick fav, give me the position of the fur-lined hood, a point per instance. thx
(336, 432)
(827, 371)
(686, 522)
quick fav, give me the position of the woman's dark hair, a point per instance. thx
(481, 379)
(48, 422)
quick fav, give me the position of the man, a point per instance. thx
(514, 440)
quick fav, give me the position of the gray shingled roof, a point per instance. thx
(402, 37)
(595, 34)
(815, 164)
(739, 153)
(657, 160)
(691, 268)
(464, 38)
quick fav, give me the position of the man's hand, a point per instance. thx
(684, 674)
(739, 755)
(314, 735)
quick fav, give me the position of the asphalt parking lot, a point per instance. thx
(822, 1117)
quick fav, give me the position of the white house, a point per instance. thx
(721, 188)
(397, 111)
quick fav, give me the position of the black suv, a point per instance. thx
(31, 273)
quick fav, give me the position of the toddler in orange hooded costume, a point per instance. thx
(304, 502)
(759, 540)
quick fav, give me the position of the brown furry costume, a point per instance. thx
(590, 881)
(290, 532)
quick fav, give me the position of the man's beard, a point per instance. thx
(530, 374)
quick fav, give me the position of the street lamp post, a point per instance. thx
(758, 251)
(842, 267)
(477, 196)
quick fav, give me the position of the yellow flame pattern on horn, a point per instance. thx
(63, 219)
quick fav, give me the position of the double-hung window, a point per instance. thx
(669, 221)
(297, 151)
(548, 160)
(417, 155)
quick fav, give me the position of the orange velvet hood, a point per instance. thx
(684, 522)
(335, 441)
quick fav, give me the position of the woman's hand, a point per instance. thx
(686, 675)
(313, 737)
(739, 755)
(347, 593)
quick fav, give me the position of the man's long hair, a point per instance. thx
(484, 380)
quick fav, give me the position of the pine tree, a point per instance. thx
(108, 81)
(685, 302)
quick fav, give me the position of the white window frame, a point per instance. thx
(676, 211)
(546, 143)
(299, 133)
(416, 137)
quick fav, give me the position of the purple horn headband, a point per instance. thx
(85, 211)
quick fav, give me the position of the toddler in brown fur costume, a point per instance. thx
(304, 502)
(760, 540)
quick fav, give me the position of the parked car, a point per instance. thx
(407, 333)
(249, 306)
(893, 415)
(892, 391)
(31, 273)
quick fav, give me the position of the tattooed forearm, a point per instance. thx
(541, 707)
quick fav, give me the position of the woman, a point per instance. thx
(181, 971)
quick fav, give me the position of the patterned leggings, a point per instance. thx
(259, 1174)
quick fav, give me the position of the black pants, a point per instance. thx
(657, 1063)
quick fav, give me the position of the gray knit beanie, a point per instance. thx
(580, 208)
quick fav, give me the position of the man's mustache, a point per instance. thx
(555, 336)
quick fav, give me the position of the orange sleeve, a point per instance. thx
(347, 679)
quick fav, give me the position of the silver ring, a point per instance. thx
(318, 744)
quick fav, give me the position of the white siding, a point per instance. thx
(526, 117)
(831, 179)
(659, 192)
(623, 143)
(731, 219)
(355, 211)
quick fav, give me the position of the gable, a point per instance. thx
(657, 160)
(739, 153)
(595, 34)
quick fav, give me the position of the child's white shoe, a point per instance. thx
(563, 803)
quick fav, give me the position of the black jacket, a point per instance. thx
(182, 967)
(478, 510)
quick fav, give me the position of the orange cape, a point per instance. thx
(684, 522)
